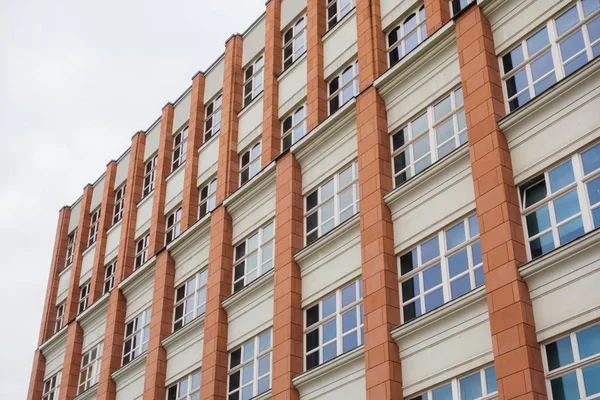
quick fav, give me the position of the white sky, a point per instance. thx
(77, 79)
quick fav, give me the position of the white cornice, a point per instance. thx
(327, 239)
(139, 277)
(339, 24)
(89, 394)
(64, 270)
(331, 365)
(88, 250)
(246, 109)
(97, 308)
(189, 236)
(240, 298)
(170, 341)
(55, 341)
(128, 371)
(292, 67)
(254, 186)
(114, 227)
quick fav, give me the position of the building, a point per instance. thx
(361, 199)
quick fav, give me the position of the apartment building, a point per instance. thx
(360, 199)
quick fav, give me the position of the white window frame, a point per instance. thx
(184, 388)
(84, 296)
(180, 140)
(173, 222)
(207, 195)
(60, 316)
(70, 248)
(297, 42)
(193, 292)
(339, 92)
(252, 361)
(89, 373)
(253, 76)
(51, 387)
(340, 13)
(139, 336)
(110, 271)
(420, 29)
(149, 176)
(141, 251)
(94, 223)
(457, 6)
(298, 120)
(253, 165)
(455, 385)
(119, 203)
(212, 122)
(265, 239)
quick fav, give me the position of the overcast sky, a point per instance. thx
(77, 79)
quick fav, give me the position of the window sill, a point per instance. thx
(55, 340)
(174, 337)
(247, 107)
(64, 270)
(114, 227)
(207, 142)
(88, 250)
(254, 185)
(292, 66)
(145, 199)
(175, 171)
(186, 238)
(251, 288)
(336, 363)
(327, 238)
(129, 368)
(88, 394)
(136, 278)
(94, 309)
(338, 24)
(263, 396)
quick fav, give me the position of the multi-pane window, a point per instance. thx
(441, 269)
(212, 124)
(179, 148)
(253, 80)
(119, 204)
(250, 368)
(51, 388)
(70, 248)
(343, 88)
(141, 251)
(173, 226)
(334, 325)
(476, 385)
(94, 222)
(458, 5)
(149, 175)
(254, 256)
(109, 277)
(60, 317)
(332, 203)
(294, 42)
(336, 10)
(190, 300)
(208, 198)
(405, 37)
(84, 295)
(90, 368)
(429, 137)
(293, 127)
(186, 389)
(572, 365)
(137, 333)
(563, 203)
(562, 46)
(250, 163)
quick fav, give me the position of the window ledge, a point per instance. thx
(326, 239)
(263, 396)
(253, 287)
(255, 100)
(292, 67)
(254, 185)
(114, 227)
(89, 394)
(145, 199)
(339, 24)
(55, 340)
(88, 250)
(329, 366)
(187, 237)
(207, 143)
(174, 337)
(175, 171)
(64, 270)
(129, 368)
(94, 309)
(137, 277)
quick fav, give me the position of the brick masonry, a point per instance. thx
(36, 381)
(437, 13)
(72, 362)
(317, 87)
(371, 42)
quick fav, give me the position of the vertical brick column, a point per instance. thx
(371, 42)
(106, 214)
(163, 169)
(437, 13)
(271, 131)
(36, 381)
(287, 321)
(160, 326)
(115, 320)
(379, 267)
(72, 362)
(517, 354)
(317, 87)
(189, 208)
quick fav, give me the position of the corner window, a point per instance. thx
(70, 248)
(137, 334)
(294, 42)
(250, 368)
(149, 176)
(141, 251)
(186, 389)
(476, 385)
(109, 277)
(253, 80)
(51, 388)
(84, 294)
(119, 204)
(293, 127)
(343, 88)
(190, 300)
(250, 163)
(253, 257)
(441, 269)
(94, 222)
(334, 325)
(90, 368)
(60, 317)
(208, 198)
(173, 226)
(212, 124)
(405, 37)
(179, 148)
(336, 10)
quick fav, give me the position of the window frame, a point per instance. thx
(293, 41)
(51, 387)
(354, 82)
(253, 162)
(455, 385)
(110, 271)
(295, 125)
(60, 316)
(262, 265)
(254, 361)
(333, 20)
(190, 389)
(200, 280)
(256, 79)
(94, 224)
(84, 297)
(149, 176)
(174, 228)
(145, 318)
(91, 368)
(208, 200)
(119, 203)
(142, 246)
(456, 6)
(215, 123)
(70, 248)
(420, 28)
(179, 153)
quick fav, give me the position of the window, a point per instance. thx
(253, 257)
(478, 385)
(332, 203)
(51, 388)
(343, 87)
(572, 365)
(334, 325)
(458, 5)
(429, 137)
(60, 317)
(561, 204)
(336, 10)
(562, 46)
(208, 198)
(179, 148)
(250, 165)
(149, 176)
(250, 368)
(441, 269)
(190, 300)
(90, 368)
(212, 125)
(186, 389)
(137, 333)
(253, 80)
(84, 294)
(94, 222)
(173, 225)
(119, 204)
(405, 37)
(294, 128)
(109, 277)
(294, 42)
(141, 251)
(70, 248)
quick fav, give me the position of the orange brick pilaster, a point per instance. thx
(517, 354)
(71, 363)
(371, 42)
(317, 87)
(437, 13)
(379, 267)
(36, 381)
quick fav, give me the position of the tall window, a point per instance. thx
(253, 80)
(137, 333)
(149, 176)
(293, 127)
(336, 10)
(572, 365)
(90, 368)
(562, 46)
(429, 137)
(208, 198)
(405, 37)
(60, 317)
(250, 368)
(84, 294)
(173, 226)
(51, 387)
(109, 277)
(253, 257)
(119, 204)
(250, 163)
(179, 148)
(94, 222)
(477, 385)
(186, 389)
(141, 251)
(441, 269)
(343, 88)
(190, 300)
(563, 203)
(294, 42)
(212, 124)
(332, 203)
(334, 325)
(70, 248)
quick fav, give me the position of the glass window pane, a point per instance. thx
(442, 393)
(264, 385)
(399, 139)
(535, 193)
(264, 365)
(591, 159)
(594, 30)
(411, 311)
(516, 83)
(538, 221)
(512, 59)
(434, 300)
(442, 108)
(458, 263)
(589, 6)
(312, 360)
(542, 65)
(565, 387)
(537, 41)
(519, 101)
(473, 226)
(460, 286)
(544, 84)
(596, 217)
(430, 250)
(566, 206)
(421, 147)
(312, 340)
(571, 230)
(248, 351)
(589, 342)
(422, 164)
(432, 277)
(411, 42)
(572, 45)
(327, 190)
(444, 131)
(312, 315)
(349, 342)
(541, 245)
(477, 256)
(559, 353)
(329, 352)
(567, 20)
(264, 342)
(470, 387)
(410, 289)
(455, 236)
(329, 305)
(419, 125)
(349, 320)
(591, 378)
(490, 380)
(348, 295)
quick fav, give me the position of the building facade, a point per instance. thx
(360, 199)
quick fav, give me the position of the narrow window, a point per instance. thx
(94, 222)
(253, 80)
(70, 248)
(190, 300)
(208, 198)
(60, 317)
(212, 124)
(149, 176)
(84, 294)
(343, 88)
(109, 277)
(294, 42)
(51, 388)
(250, 368)
(137, 334)
(336, 10)
(179, 148)
(405, 37)
(141, 251)
(89, 373)
(254, 256)
(250, 163)
(119, 204)
(173, 226)
(293, 128)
